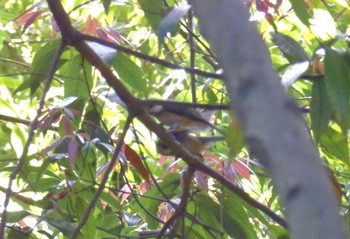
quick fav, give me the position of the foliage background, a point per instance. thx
(80, 124)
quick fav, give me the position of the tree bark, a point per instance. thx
(274, 129)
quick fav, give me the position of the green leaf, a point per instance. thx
(300, 8)
(235, 138)
(63, 226)
(320, 112)
(106, 4)
(111, 201)
(235, 213)
(337, 78)
(152, 10)
(15, 216)
(18, 140)
(130, 73)
(78, 81)
(40, 67)
(18, 232)
(290, 48)
(169, 186)
(213, 214)
(171, 20)
(335, 145)
(89, 229)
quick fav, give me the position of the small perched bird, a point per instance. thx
(181, 119)
(196, 145)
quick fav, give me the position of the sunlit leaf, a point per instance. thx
(107, 54)
(338, 86)
(78, 79)
(300, 8)
(323, 25)
(293, 73)
(290, 48)
(171, 20)
(40, 66)
(152, 10)
(320, 111)
(130, 73)
(15, 216)
(235, 138)
(335, 145)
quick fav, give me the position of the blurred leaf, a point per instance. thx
(235, 214)
(18, 140)
(293, 73)
(152, 198)
(300, 8)
(171, 20)
(337, 77)
(152, 10)
(335, 145)
(63, 226)
(290, 48)
(211, 213)
(16, 216)
(89, 229)
(242, 169)
(135, 161)
(40, 66)
(106, 4)
(18, 232)
(78, 78)
(320, 110)
(107, 54)
(73, 150)
(130, 73)
(235, 137)
(111, 201)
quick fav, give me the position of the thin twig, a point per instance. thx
(100, 188)
(192, 56)
(33, 127)
(187, 177)
(136, 107)
(151, 58)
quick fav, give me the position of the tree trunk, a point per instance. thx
(274, 129)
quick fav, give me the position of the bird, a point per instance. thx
(181, 118)
(194, 144)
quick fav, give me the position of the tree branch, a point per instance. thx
(34, 125)
(136, 107)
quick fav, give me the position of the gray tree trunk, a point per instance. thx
(274, 128)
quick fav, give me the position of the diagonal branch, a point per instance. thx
(136, 107)
(34, 125)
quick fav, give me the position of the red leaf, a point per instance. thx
(91, 26)
(48, 119)
(73, 149)
(261, 6)
(28, 10)
(242, 169)
(67, 125)
(135, 161)
(28, 18)
(125, 192)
